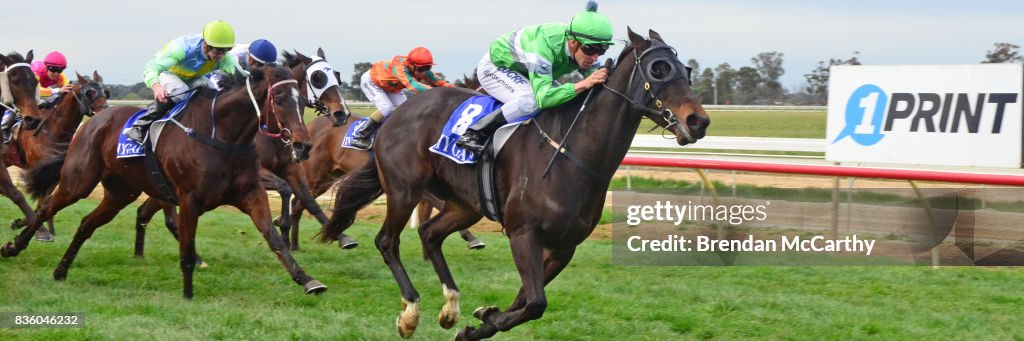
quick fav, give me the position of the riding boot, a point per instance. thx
(6, 125)
(476, 136)
(362, 139)
(154, 112)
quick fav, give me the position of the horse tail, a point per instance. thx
(356, 190)
(41, 178)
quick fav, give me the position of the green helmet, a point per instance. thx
(590, 27)
(218, 33)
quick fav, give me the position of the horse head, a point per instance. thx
(320, 85)
(90, 94)
(281, 114)
(659, 87)
(18, 85)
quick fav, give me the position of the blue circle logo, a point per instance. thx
(864, 113)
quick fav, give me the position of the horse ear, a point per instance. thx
(636, 40)
(656, 36)
(96, 77)
(81, 79)
(28, 57)
(303, 58)
(320, 53)
(4, 60)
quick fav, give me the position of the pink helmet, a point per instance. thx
(55, 58)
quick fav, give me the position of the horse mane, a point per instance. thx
(293, 59)
(237, 79)
(17, 57)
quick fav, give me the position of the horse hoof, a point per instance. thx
(60, 276)
(447, 321)
(18, 223)
(8, 250)
(277, 221)
(409, 319)
(482, 312)
(476, 244)
(346, 242)
(314, 287)
(202, 265)
(44, 236)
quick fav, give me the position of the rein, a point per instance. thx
(649, 92)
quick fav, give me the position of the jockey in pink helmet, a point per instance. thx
(50, 72)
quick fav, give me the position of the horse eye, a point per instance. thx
(660, 70)
(90, 93)
(318, 79)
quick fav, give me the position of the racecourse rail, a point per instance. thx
(669, 154)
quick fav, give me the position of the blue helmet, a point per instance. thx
(263, 51)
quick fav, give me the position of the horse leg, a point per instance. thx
(400, 206)
(427, 205)
(256, 205)
(63, 196)
(171, 223)
(529, 259)
(554, 262)
(142, 217)
(433, 233)
(271, 181)
(112, 203)
(472, 242)
(8, 189)
(297, 209)
(296, 178)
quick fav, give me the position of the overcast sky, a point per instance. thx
(118, 37)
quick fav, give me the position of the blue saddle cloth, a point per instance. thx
(127, 148)
(468, 113)
(350, 133)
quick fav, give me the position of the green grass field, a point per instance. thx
(246, 294)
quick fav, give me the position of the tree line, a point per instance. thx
(757, 83)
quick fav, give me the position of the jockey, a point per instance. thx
(182, 64)
(50, 73)
(521, 67)
(256, 54)
(384, 83)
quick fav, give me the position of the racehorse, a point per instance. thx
(209, 162)
(18, 87)
(280, 169)
(57, 125)
(546, 215)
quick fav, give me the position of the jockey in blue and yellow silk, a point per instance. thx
(183, 63)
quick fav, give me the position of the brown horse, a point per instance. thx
(56, 126)
(209, 162)
(280, 169)
(545, 215)
(18, 86)
(330, 161)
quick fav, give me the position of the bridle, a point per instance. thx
(320, 67)
(644, 87)
(6, 97)
(283, 133)
(84, 105)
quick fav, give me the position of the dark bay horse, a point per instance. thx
(279, 160)
(545, 216)
(210, 164)
(56, 126)
(18, 87)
